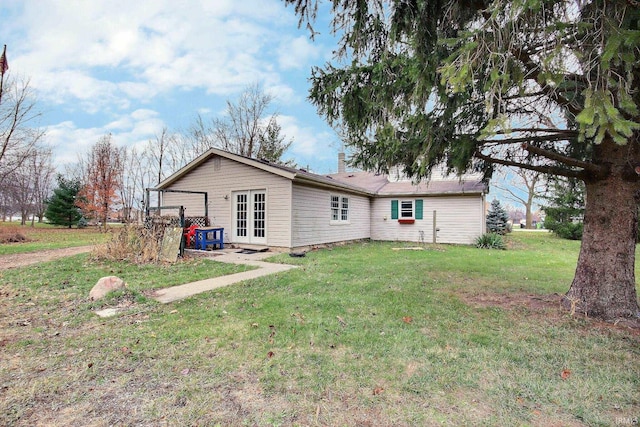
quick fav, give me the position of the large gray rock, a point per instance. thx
(106, 285)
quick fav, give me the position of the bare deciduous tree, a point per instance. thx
(29, 187)
(244, 130)
(102, 180)
(18, 135)
(523, 186)
(166, 154)
(44, 175)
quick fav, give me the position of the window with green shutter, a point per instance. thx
(394, 209)
(419, 209)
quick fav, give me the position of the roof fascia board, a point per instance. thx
(423, 194)
(305, 180)
(214, 151)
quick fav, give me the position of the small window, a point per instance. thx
(406, 209)
(344, 211)
(335, 208)
(339, 209)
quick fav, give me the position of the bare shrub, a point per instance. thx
(139, 245)
(12, 236)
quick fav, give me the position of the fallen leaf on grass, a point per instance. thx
(341, 320)
(270, 354)
(173, 311)
(407, 319)
(565, 374)
(185, 371)
(299, 316)
(377, 391)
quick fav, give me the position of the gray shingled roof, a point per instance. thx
(381, 186)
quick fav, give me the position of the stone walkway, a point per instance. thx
(179, 292)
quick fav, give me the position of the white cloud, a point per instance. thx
(283, 94)
(73, 49)
(308, 145)
(297, 53)
(109, 58)
(70, 141)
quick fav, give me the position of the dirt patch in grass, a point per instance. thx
(21, 260)
(540, 306)
(515, 301)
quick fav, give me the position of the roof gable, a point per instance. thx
(263, 165)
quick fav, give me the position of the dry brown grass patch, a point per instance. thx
(12, 235)
(139, 245)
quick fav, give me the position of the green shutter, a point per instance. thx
(394, 209)
(419, 209)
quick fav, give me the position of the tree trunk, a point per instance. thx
(528, 216)
(604, 285)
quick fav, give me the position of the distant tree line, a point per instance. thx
(26, 169)
(108, 182)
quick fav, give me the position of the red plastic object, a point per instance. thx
(189, 236)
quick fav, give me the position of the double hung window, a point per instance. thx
(339, 209)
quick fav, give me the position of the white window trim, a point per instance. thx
(413, 209)
(341, 207)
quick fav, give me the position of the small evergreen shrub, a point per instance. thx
(569, 230)
(498, 219)
(490, 241)
(82, 223)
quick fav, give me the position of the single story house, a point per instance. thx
(259, 203)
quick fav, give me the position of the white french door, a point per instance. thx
(250, 217)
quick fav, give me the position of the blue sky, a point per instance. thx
(130, 68)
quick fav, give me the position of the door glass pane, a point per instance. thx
(241, 215)
(259, 210)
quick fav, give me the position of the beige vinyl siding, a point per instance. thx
(459, 218)
(220, 177)
(312, 217)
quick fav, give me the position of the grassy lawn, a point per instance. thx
(358, 335)
(44, 236)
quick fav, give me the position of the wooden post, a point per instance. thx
(435, 228)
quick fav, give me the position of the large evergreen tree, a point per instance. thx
(62, 209)
(549, 86)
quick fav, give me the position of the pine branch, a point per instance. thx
(527, 139)
(551, 170)
(533, 73)
(569, 161)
